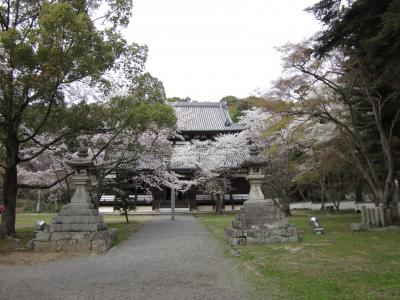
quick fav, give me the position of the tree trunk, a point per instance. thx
(359, 192)
(135, 200)
(125, 203)
(323, 191)
(381, 196)
(285, 204)
(287, 211)
(192, 198)
(158, 196)
(219, 200)
(10, 189)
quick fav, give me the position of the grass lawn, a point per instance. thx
(14, 251)
(337, 265)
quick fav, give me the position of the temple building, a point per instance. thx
(198, 121)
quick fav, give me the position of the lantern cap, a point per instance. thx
(256, 159)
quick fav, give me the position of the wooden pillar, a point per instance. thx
(192, 198)
(173, 204)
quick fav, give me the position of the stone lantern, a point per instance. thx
(256, 168)
(260, 221)
(78, 227)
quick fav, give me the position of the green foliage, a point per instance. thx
(232, 102)
(148, 88)
(138, 114)
(50, 52)
(177, 99)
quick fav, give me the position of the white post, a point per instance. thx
(38, 204)
(172, 204)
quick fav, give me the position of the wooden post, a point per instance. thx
(172, 204)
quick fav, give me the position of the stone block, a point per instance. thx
(255, 240)
(364, 214)
(230, 232)
(377, 217)
(372, 216)
(43, 246)
(277, 232)
(100, 244)
(240, 217)
(237, 241)
(382, 215)
(368, 215)
(73, 211)
(77, 227)
(251, 240)
(42, 236)
(66, 245)
(272, 239)
(237, 224)
(262, 232)
(83, 245)
(293, 238)
(78, 219)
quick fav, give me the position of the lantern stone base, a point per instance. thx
(261, 222)
(76, 228)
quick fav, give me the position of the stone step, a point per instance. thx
(74, 241)
(78, 219)
(70, 211)
(77, 227)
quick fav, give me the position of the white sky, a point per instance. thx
(209, 49)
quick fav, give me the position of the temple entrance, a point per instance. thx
(181, 200)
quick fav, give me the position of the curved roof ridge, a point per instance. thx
(197, 104)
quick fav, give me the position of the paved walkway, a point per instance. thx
(163, 260)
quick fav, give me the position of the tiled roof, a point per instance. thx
(204, 116)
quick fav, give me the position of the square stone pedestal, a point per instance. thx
(261, 222)
(76, 228)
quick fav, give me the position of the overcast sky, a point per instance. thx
(212, 48)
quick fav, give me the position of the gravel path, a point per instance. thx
(163, 260)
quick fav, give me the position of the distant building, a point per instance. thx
(200, 121)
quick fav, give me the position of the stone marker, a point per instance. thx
(78, 227)
(382, 214)
(259, 221)
(368, 215)
(373, 216)
(364, 215)
(377, 216)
